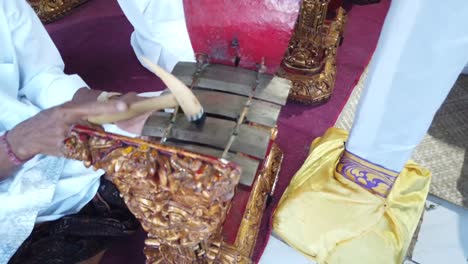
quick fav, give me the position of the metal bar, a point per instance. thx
(200, 65)
(231, 106)
(216, 132)
(236, 80)
(242, 116)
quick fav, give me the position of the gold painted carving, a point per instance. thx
(306, 49)
(180, 198)
(264, 186)
(310, 59)
(51, 10)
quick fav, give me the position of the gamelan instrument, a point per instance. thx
(181, 182)
(200, 190)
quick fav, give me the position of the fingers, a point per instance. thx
(74, 112)
(45, 132)
(134, 125)
(130, 98)
(61, 133)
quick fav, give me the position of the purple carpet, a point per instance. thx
(95, 43)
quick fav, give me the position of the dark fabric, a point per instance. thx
(365, 2)
(78, 237)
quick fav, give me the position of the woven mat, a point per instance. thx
(443, 150)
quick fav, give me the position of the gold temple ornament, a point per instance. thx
(310, 61)
(51, 10)
(180, 198)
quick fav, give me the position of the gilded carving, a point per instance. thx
(317, 88)
(51, 10)
(180, 198)
(310, 60)
(306, 49)
(264, 186)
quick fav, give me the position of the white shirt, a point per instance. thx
(160, 31)
(32, 79)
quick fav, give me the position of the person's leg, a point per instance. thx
(422, 49)
(81, 237)
(465, 70)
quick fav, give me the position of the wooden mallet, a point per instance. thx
(180, 95)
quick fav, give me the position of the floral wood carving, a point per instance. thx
(180, 198)
(306, 49)
(310, 59)
(51, 10)
(264, 187)
(152, 177)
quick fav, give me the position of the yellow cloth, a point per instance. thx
(333, 220)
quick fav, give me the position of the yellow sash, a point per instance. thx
(332, 220)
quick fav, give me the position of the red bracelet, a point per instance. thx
(11, 155)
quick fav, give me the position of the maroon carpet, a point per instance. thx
(95, 43)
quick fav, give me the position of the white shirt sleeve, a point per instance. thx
(42, 80)
(160, 31)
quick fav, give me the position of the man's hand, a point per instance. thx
(134, 125)
(45, 132)
(85, 95)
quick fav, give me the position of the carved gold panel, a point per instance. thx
(180, 198)
(51, 10)
(310, 59)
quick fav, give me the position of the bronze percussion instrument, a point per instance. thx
(242, 108)
(181, 189)
(181, 181)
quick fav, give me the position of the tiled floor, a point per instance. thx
(443, 239)
(278, 252)
(444, 234)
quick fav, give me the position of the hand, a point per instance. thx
(85, 95)
(134, 125)
(45, 132)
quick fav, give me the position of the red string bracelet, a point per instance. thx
(11, 155)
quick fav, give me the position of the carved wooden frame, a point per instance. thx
(128, 164)
(241, 251)
(264, 186)
(310, 62)
(51, 10)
